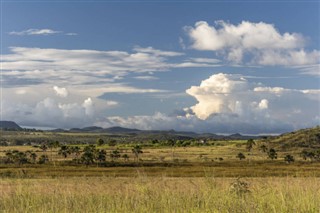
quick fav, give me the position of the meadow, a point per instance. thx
(160, 194)
(194, 178)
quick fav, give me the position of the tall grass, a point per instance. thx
(159, 194)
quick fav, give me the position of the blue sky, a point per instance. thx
(222, 67)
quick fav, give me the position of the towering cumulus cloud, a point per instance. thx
(221, 93)
(232, 97)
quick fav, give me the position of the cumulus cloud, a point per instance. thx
(230, 103)
(226, 104)
(261, 42)
(225, 123)
(214, 95)
(47, 113)
(62, 92)
(224, 94)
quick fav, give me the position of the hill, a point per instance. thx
(303, 138)
(9, 125)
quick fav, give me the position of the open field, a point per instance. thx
(219, 161)
(160, 194)
(195, 178)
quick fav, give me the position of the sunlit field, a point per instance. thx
(161, 178)
(160, 194)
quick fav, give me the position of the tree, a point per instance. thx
(101, 155)
(137, 150)
(263, 148)
(115, 154)
(87, 158)
(125, 157)
(112, 143)
(53, 145)
(241, 156)
(43, 147)
(307, 154)
(43, 159)
(250, 144)
(64, 151)
(272, 154)
(10, 157)
(100, 142)
(89, 155)
(289, 158)
(33, 157)
(76, 151)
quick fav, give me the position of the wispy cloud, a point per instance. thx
(44, 32)
(146, 77)
(87, 66)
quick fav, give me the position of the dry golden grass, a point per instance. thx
(158, 194)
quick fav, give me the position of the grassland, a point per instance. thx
(160, 194)
(200, 178)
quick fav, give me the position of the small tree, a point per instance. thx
(289, 158)
(101, 156)
(43, 147)
(75, 150)
(307, 154)
(87, 158)
(115, 154)
(43, 159)
(89, 155)
(137, 150)
(250, 144)
(125, 157)
(272, 154)
(33, 157)
(263, 148)
(241, 156)
(100, 142)
(64, 151)
(112, 143)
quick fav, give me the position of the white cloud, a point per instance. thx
(81, 66)
(223, 94)
(264, 104)
(71, 34)
(214, 94)
(156, 52)
(246, 35)
(223, 123)
(88, 105)
(45, 32)
(289, 57)
(49, 112)
(62, 92)
(257, 43)
(146, 77)
(229, 104)
(35, 32)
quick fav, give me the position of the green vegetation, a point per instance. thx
(111, 173)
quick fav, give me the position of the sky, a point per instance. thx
(248, 67)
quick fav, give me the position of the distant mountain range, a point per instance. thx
(136, 133)
(156, 134)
